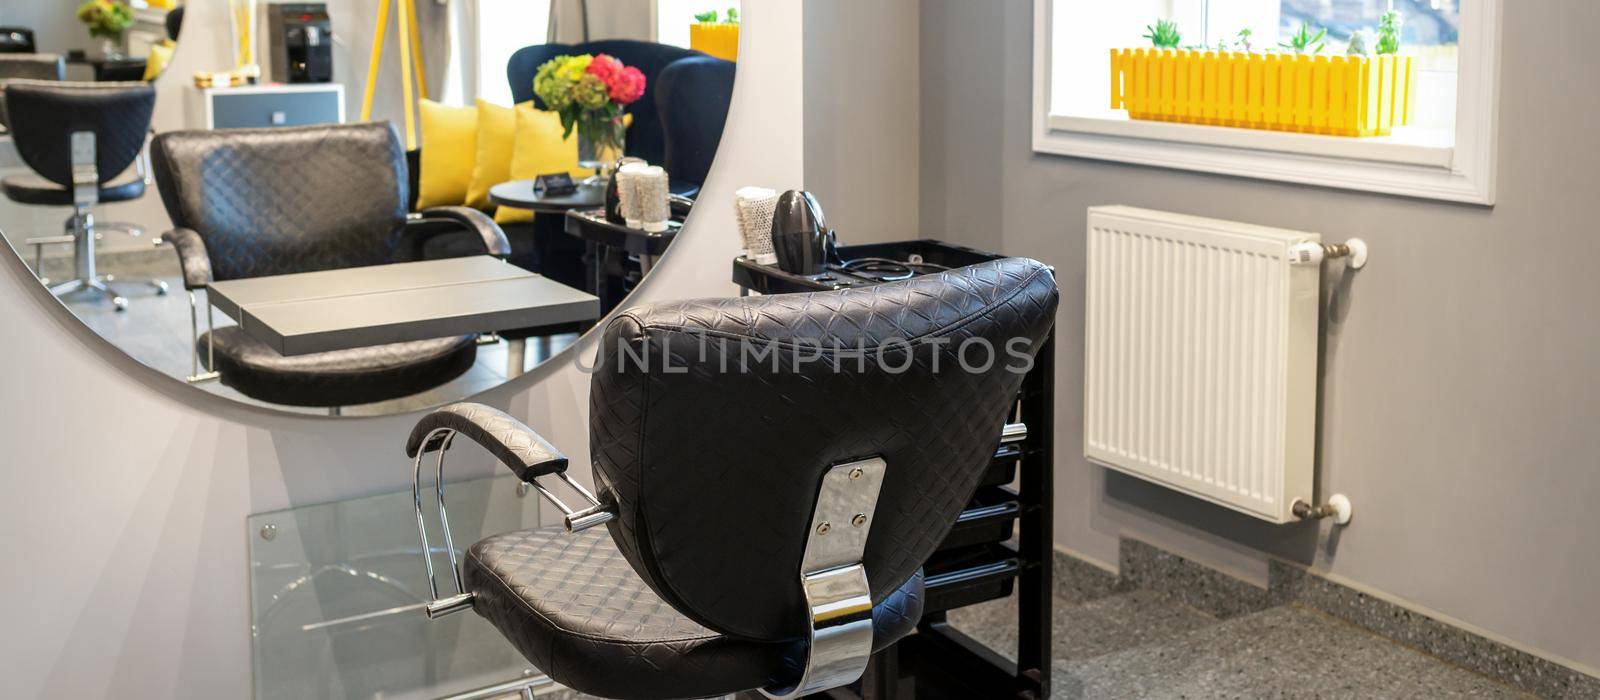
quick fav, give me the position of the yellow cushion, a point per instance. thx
(540, 150)
(497, 137)
(156, 62)
(449, 152)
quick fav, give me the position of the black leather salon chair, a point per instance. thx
(767, 515)
(79, 139)
(692, 98)
(256, 202)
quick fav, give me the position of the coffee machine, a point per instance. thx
(301, 38)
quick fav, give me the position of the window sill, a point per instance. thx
(1423, 148)
(1386, 165)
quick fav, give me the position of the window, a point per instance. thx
(503, 27)
(1443, 151)
(673, 17)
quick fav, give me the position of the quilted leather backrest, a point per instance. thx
(714, 452)
(43, 115)
(645, 138)
(277, 201)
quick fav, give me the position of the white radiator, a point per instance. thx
(1200, 357)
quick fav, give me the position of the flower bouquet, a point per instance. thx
(590, 92)
(106, 19)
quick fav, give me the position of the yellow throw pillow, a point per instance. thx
(497, 137)
(156, 63)
(540, 150)
(449, 152)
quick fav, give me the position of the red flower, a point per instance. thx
(624, 84)
(629, 86)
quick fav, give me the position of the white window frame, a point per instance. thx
(1463, 172)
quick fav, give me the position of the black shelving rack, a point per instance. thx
(1001, 544)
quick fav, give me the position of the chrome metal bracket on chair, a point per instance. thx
(835, 580)
(439, 439)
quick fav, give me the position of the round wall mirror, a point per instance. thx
(327, 219)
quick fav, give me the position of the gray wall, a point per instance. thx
(1461, 372)
(862, 116)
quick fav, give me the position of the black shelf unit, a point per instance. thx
(1001, 544)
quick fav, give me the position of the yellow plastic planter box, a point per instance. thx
(1336, 95)
(720, 40)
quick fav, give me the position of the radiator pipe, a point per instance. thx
(1354, 252)
(1338, 507)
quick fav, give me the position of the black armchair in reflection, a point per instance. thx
(261, 202)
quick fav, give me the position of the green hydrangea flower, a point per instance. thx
(590, 92)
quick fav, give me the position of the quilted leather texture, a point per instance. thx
(285, 200)
(31, 189)
(514, 444)
(575, 608)
(43, 115)
(341, 377)
(715, 472)
(192, 257)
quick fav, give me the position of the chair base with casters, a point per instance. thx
(83, 234)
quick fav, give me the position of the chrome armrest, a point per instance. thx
(518, 447)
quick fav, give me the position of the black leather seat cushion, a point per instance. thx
(575, 608)
(32, 189)
(341, 377)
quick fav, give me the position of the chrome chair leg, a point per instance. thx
(196, 376)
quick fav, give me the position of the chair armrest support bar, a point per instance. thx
(494, 239)
(517, 446)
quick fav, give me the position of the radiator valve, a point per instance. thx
(1354, 252)
(1338, 507)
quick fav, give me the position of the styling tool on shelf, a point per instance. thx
(628, 203)
(753, 209)
(801, 238)
(614, 191)
(651, 188)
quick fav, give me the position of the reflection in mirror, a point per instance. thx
(98, 40)
(382, 221)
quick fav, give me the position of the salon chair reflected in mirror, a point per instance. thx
(452, 156)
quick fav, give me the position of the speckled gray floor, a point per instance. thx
(1148, 644)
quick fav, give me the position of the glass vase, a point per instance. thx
(599, 149)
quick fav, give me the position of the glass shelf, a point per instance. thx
(337, 589)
